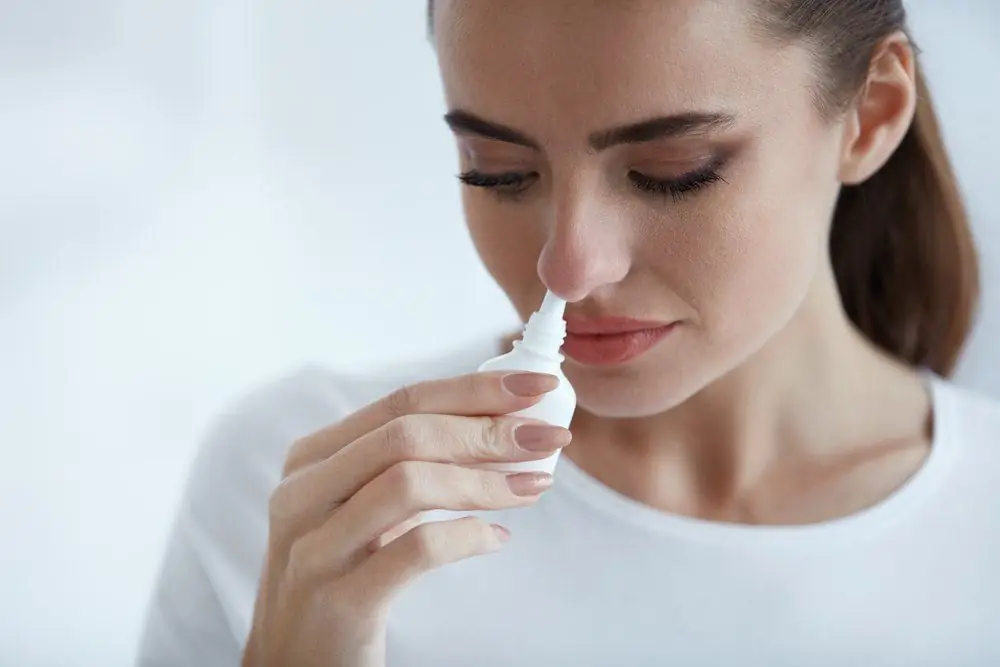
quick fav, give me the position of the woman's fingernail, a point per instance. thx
(529, 483)
(502, 533)
(527, 385)
(541, 437)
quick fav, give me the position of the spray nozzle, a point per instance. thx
(552, 306)
(545, 331)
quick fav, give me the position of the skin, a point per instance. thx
(757, 408)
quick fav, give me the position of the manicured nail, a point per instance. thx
(529, 483)
(502, 533)
(541, 437)
(527, 385)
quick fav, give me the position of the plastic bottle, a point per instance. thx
(538, 351)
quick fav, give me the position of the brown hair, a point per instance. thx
(900, 242)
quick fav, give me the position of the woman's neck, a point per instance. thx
(817, 424)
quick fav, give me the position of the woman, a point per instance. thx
(759, 188)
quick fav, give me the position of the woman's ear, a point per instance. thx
(883, 112)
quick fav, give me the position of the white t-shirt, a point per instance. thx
(591, 578)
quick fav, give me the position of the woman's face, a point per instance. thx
(644, 159)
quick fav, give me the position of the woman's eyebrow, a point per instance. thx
(464, 122)
(661, 127)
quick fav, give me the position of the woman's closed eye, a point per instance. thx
(511, 184)
(677, 187)
(507, 183)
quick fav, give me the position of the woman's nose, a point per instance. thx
(586, 249)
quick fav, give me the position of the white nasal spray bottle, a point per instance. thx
(538, 351)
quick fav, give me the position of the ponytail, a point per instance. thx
(903, 253)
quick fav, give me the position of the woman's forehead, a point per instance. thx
(592, 64)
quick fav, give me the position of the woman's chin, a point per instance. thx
(627, 394)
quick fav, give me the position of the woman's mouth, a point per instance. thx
(608, 341)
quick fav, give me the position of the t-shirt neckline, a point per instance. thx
(866, 523)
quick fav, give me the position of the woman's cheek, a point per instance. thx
(744, 273)
(770, 236)
(508, 247)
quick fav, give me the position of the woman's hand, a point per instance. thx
(343, 539)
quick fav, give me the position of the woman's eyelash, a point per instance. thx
(677, 188)
(512, 183)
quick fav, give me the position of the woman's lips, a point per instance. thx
(611, 340)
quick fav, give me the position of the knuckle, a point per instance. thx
(296, 456)
(402, 401)
(488, 488)
(408, 482)
(279, 504)
(403, 436)
(299, 565)
(492, 435)
(476, 388)
(427, 544)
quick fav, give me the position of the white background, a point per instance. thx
(197, 196)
